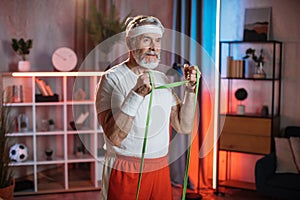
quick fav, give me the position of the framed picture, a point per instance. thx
(257, 24)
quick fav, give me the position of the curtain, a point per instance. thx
(83, 44)
(195, 19)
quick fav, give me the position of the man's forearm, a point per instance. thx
(116, 127)
(187, 112)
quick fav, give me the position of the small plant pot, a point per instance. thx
(8, 192)
(24, 66)
(241, 109)
(79, 154)
(51, 127)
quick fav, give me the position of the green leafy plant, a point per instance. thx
(100, 26)
(6, 173)
(22, 47)
(251, 53)
(79, 149)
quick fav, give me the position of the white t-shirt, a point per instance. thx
(116, 85)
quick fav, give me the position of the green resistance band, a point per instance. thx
(171, 85)
(190, 139)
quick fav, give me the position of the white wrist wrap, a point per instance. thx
(131, 103)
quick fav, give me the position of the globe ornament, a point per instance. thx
(241, 94)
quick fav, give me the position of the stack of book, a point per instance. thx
(47, 94)
(13, 94)
(235, 68)
(43, 87)
(17, 91)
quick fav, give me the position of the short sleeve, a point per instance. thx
(107, 95)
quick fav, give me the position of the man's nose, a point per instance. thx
(153, 46)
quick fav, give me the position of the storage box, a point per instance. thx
(41, 98)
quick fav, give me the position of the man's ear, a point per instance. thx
(129, 43)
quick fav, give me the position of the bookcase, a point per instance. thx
(252, 130)
(60, 131)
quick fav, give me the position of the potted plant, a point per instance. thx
(51, 125)
(259, 61)
(22, 48)
(100, 27)
(251, 53)
(79, 151)
(6, 175)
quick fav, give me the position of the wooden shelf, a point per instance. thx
(253, 115)
(251, 79)
(238, 184)
(53, 180)
(51, 186)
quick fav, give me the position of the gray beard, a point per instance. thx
(142, 62)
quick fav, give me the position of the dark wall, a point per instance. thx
(52, 24)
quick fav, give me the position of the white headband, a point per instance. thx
(148, 28)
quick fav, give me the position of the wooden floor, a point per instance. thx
(207, 194)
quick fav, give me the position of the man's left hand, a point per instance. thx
(190, 74)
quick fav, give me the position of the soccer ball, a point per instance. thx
(18, 152)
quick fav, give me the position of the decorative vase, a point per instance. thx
(7, 193)
(24, 66)
(241, 109)
(51, 127)
(265, 111)
(49, 153)
(79, 153)
(259, 71)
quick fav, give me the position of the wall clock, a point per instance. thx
(64, 59)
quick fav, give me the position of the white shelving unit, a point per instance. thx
(77, 158)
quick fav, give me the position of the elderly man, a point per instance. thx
(122, 107)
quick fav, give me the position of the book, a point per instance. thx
(229, 66)
(82, 117)
(49, 90)
(42, 86)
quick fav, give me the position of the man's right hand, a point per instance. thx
(143, 86)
